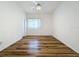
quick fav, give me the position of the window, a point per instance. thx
(33, 23)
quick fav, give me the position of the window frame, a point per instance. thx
(34, 26)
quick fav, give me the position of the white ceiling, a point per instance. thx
(47, 6)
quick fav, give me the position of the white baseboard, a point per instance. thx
(5, 45)
(70, 46)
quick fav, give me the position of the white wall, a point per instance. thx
(45, 26)
(66, 24)
(11, 24)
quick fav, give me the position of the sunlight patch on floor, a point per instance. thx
(33, 46)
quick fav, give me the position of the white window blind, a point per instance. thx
(33, 23)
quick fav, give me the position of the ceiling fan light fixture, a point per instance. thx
(38, 7)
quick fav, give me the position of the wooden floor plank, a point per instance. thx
(44, 46)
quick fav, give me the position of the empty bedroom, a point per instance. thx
(39, 28)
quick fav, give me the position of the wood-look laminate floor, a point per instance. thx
(44, 46)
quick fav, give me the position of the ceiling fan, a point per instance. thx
(37, 5)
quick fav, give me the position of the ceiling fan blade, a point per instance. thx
(35, 2)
